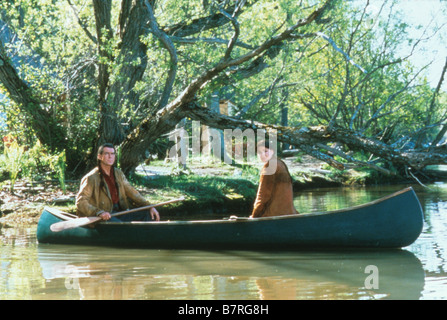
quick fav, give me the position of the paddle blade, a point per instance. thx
(74, 223)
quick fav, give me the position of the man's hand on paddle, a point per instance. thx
(105, 216)
(154, 214)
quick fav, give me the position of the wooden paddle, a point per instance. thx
(83, 221)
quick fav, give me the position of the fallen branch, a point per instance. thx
(311, 139)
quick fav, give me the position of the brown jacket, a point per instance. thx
(94, 197)
(275, 193)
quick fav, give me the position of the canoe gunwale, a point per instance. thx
(60, 214)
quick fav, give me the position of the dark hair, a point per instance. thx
(105, 145)
(101, 150)
(266, 143)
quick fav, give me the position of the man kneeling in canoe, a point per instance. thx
(105, 189)
(275, 192)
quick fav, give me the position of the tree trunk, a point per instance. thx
(136, 143)
(112, 96)
(110, 129)
(39, 119)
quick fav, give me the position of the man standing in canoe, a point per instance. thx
(275, 192)
(105, 189)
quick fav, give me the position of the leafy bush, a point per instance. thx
(12, 160)
(24, 162)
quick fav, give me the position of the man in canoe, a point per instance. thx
(105, 189)
(275, 192)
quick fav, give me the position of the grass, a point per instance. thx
(203, 194)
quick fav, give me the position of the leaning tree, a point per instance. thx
(142, 66)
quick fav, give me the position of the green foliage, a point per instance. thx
(61, 55)
(57, 163)
(12, 160)
(386, 101)
(21, 161)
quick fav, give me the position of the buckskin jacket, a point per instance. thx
(94, 196)
(275, 193)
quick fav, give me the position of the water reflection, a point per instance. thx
(431, 246)
(166, 274)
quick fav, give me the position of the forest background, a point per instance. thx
(335, 80)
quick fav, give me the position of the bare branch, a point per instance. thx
(167, 43)
(334, 45)
(235, 24)
(196, 84)
(432, 103)
(82, 24)
(209, 40)
(198, 25)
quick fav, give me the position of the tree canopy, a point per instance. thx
(82, 72)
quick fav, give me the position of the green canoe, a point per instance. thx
(394, 221)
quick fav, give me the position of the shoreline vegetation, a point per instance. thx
(209, 188)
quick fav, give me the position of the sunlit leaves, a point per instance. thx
(305, 74)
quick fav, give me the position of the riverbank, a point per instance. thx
(208, 188)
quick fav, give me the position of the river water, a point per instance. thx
(29, 270)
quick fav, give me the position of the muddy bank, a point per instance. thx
(25, 205)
